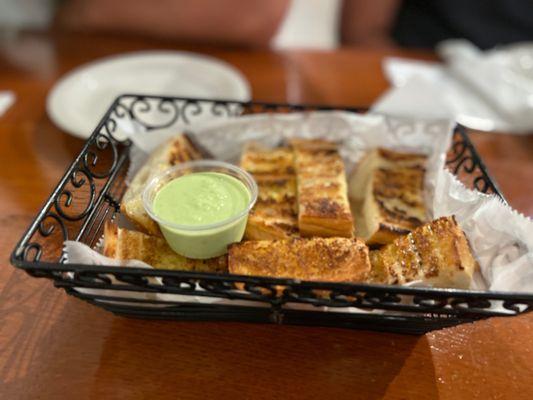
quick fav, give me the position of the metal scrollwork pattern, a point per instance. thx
(458, 149)
(220, 109)
(89, 277)
(49, 223)
(146, 111)
(159, 113)
(31, 252)
(518, 306)
(189, 110)
(471, 303)
(63, 202)
(482, 185)
(216, 286)
(463, 161)
(100, 158)
(279, 294)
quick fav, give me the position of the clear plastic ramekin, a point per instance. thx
(201, 241)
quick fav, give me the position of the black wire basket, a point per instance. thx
(90, 192)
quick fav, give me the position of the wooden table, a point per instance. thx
(52, 345)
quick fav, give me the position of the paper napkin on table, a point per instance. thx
(7, 98)
(482, 90)
(506, 90)
(417, 96)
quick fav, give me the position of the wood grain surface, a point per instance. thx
(53, 346)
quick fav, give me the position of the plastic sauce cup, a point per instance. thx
(201, 241)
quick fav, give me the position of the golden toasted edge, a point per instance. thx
(110, 239)
(385, 234)
(461, 244)
(262, 227)
(456, 269)
(460, 263)
(258, 229)
(313, 144)
(141, 221)
(272, 258)
(401, 157)
(325, 227)
(375, 227)
(125, 244)
(319, 216)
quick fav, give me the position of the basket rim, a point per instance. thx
(27, 265)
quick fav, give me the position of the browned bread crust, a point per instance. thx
(387, 195)
(274, 214)
(323, 207)
(319, 259)
(437, 253)
(124, 244)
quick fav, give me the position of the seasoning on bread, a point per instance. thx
(274, 215)
(437, 253)
(320, 259)
(323, 207)
(387, 195)
(124, 244)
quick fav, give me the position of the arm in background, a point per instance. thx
(368, 23)
(248, 23)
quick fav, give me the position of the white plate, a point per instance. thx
(78, 101)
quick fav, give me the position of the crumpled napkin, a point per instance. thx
(483, 90)
(501, 238)
(509, 92)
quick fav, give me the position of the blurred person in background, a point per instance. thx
(425, 23)
(246, 23)
(282, 24)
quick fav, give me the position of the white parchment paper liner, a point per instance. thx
(502, 239)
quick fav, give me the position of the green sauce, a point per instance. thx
(201, 198)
